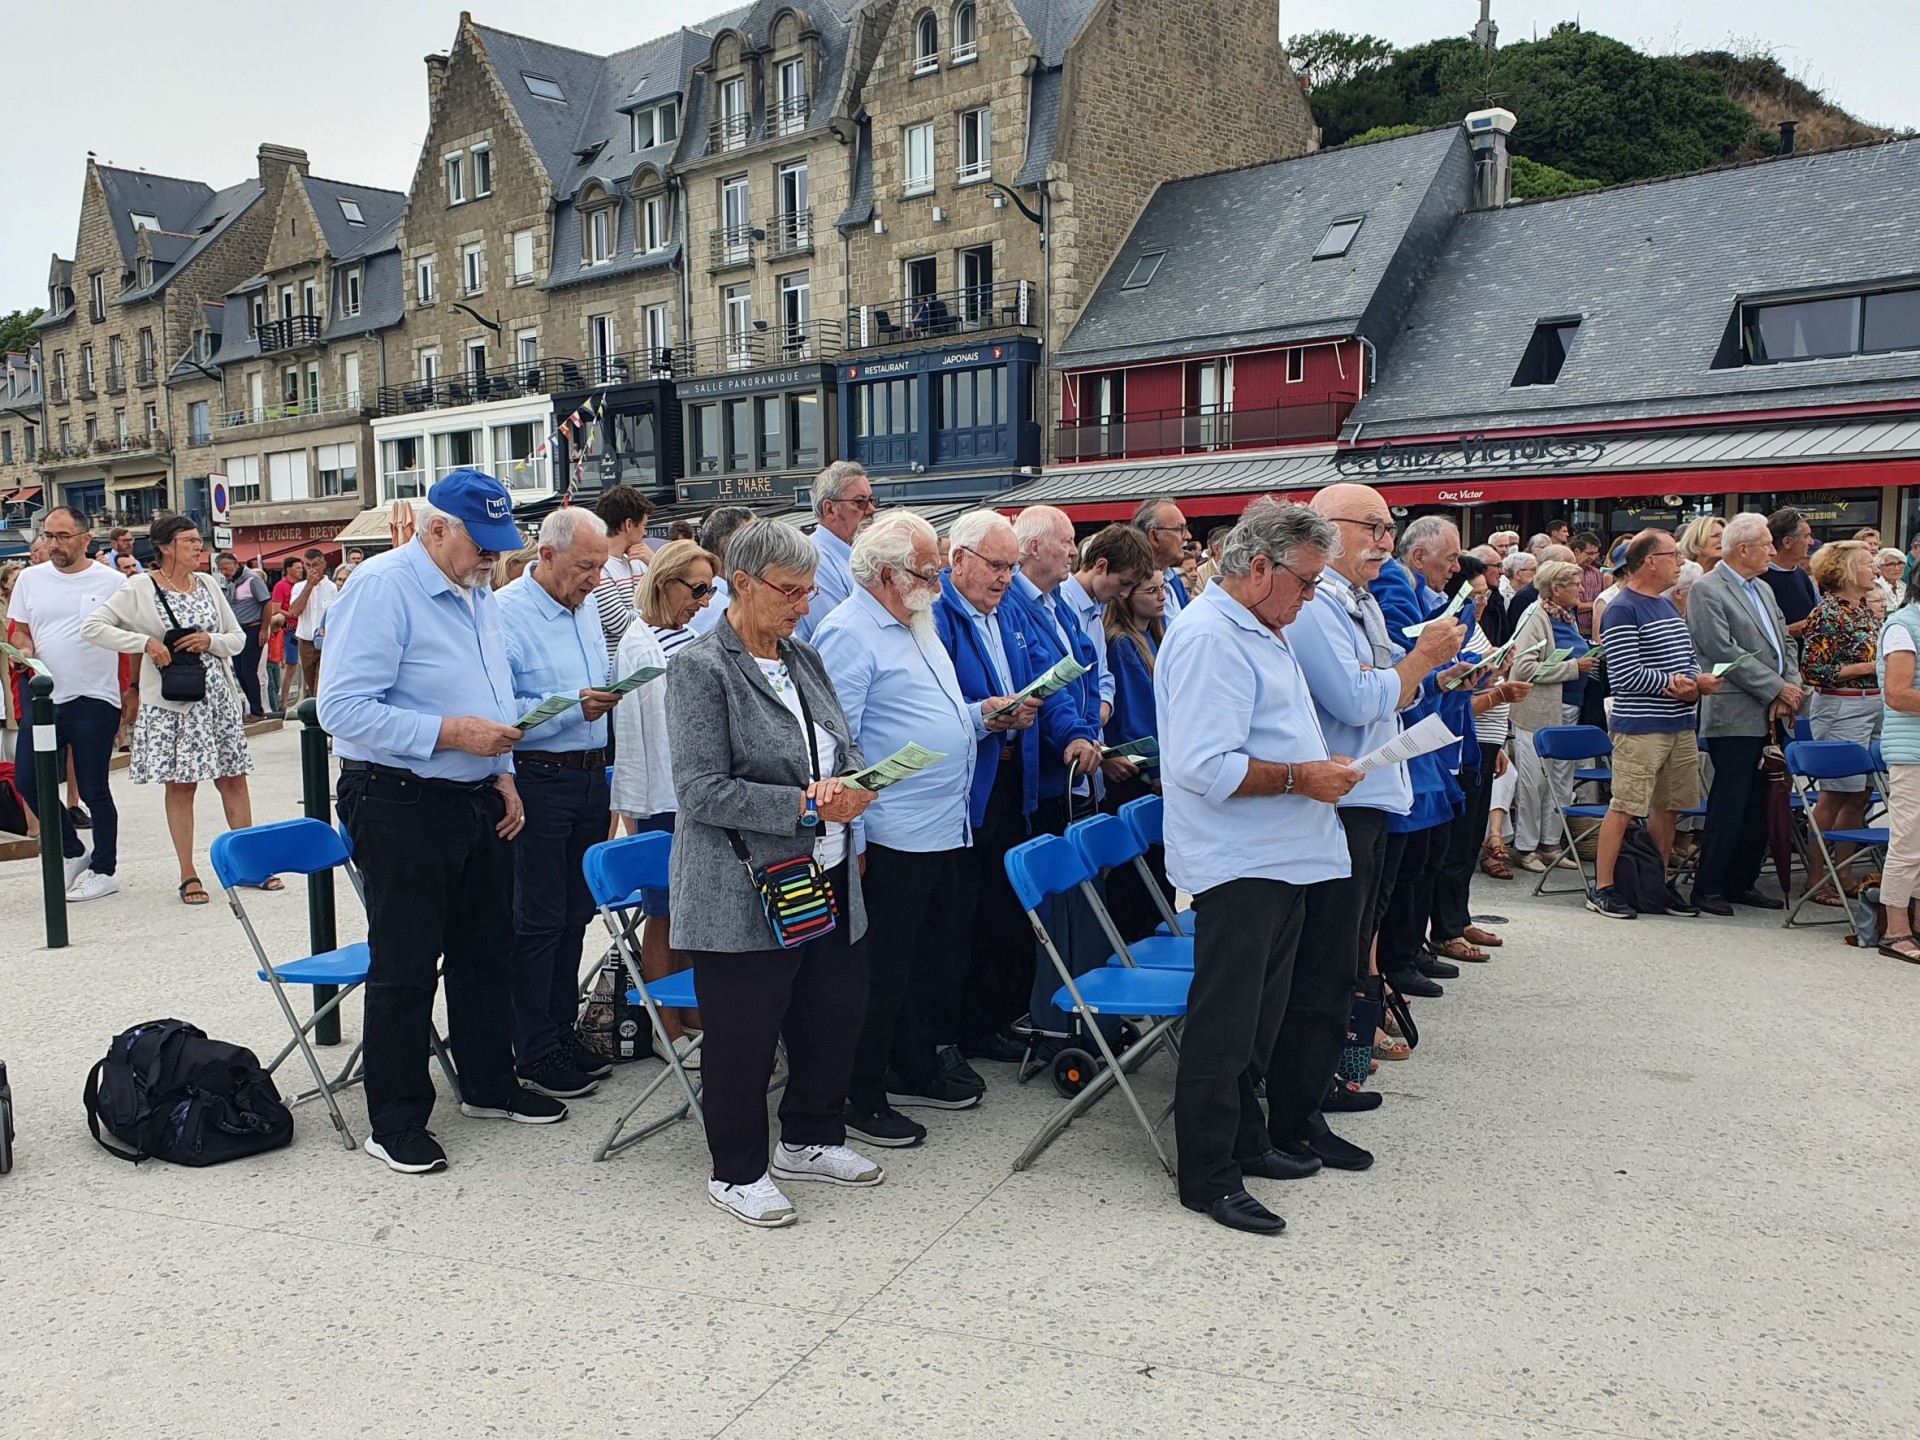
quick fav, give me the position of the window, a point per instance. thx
(653, 224)
(473, 268)
(199, 422)
(922, 276)
(309, 297)
(286, 302)
(976, 144)
(514, 463)
(1546, 352)
(243, 479)
(1892, 321)
(350, 283)
(653, 125)
(429, 365)
(151, 416)
(733, 113)
(527, 348)
(1833, 326)
(33, 444)
(803, 430)
(1339, 238)
(600, 235)
(6, 447)
(703, 439)
(601, 346)
(351, 209)
(966, 36)
(769, 453)
(477, 364)
(976, 280)
(736, 304)
(456, 178)
(658, 322)
(919, 146)
(143, 221)
(423, 280)
(971, 399)
(455, 450)
(793, 97)
(86, 367)
(926, 44)
(146, 354)
(337, 468)
(735, 210)
(202, 345)
(1296, 365)
(143, 272)
(886, 407)
(287, 475)
(523, 257)
(793, 224)
(350, 379)
(796, 317)
(543, 88)
(97, 296)
(739, 415)
(256, 315)
(482, 170)
(404, 475)
(1144, 269)
(290, 389)
(116, 363)
(120, 428)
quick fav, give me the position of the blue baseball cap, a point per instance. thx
(482, 504)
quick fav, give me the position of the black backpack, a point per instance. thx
(1639, 876)
(167, 1092)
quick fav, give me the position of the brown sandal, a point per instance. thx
(1493, 862)
(192, 892)
(1460, 950)
(1474, 935)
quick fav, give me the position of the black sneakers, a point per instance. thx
(885, 1127)
(1677, 904)
(411, 1152)
(552, 1074)
(942, 1092)
(581, 1057)
(523, 1107)
(1608, 904)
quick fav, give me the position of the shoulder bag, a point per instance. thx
(794, 893)
(184, 678)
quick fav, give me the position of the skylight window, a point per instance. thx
(143, 222)
(1143, 270)
(544, 88)
(1339, 238)
(351, 209)
(1546, 352)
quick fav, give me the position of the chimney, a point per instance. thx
(273, 156)
(1492, 167)
(436, 80)
(1788, 128)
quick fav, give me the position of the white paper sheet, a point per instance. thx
(1423, 739)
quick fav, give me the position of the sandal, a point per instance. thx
(1460, 950)
(192, 892)
(1893, 950)
(1493, 862)
(1391, 1047)
(1474, 935)
(272, 882)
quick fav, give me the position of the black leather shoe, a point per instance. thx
(1434, 968)
(1240, 1211)
(1412, 982)
(1001, 1046)
(1335, 1153)
(1709, 904)
(1341, 1100)
(1279, 1165)
(1754, 900)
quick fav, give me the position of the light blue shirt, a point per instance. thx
(708, 615)
(1091, 616)
(1357, 704)
(833, 576)
(1229, 692)
(988, 630)
(554, 651)
(1759, 604)
(1043, 602)
(407, 648)
(1174, 603)
(898, 689)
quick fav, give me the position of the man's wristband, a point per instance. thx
(1288, 790)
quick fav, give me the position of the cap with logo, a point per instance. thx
(482, 504)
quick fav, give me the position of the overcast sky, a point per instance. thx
(192, 87)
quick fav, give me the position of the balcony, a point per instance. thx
(624, 369)
(760, 346)
(57, 392)
(86, 389)
(1198, 428)
(943, 314)
(296, 332)
(352, 403)
(729, 132)
(116, 379)
(196, 439)
(793, 233)
(145, 372)
(790, 117)
(513, 383)
(132, 444)
(731, 246)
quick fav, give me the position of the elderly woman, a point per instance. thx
(1545, 785)
(1899, 648)
(1700, 545)
(1517, 572)
(181, 742)
(1839, 667)
(759, 742)
(674, 589)
(1888, 567)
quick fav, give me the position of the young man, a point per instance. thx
(625, 512)
(312, 598)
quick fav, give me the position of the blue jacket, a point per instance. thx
(1082, 697)
(1056, 725)
(1437, 796)
(1133, 709)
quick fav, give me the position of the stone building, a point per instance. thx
(22, 423)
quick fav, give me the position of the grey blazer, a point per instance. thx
(1723, 624)
(740, 760)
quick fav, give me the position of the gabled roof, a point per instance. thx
(1238, 268)
(214, 218)
(379, 211)
(1656, 272)
(552, 125)
(1055, 24)
(173, 203)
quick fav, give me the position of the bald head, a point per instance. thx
(1047, 549)
(1365, 522)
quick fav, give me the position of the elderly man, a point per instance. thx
(1656, 682)
(1250, 828)
(1786, 574)
(897, 686)
(1504, 542)
(1361, 678)
(248, 595)
(419, 701)
(715, 531)
(843, 504)
(1047, 557)
(1165, 527)
(1731, 613)
(556, 647)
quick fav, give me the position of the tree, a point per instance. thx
(17, 332)
(1534, 181)
(1331, 57)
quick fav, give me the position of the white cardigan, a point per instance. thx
(642, 764)
(133, 617)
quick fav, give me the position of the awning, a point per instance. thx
(22, 496)
(143, 482)
(369, 529)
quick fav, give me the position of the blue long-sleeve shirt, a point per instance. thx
(833, 577)
(552, 650)
(407, 648)
(1358, 704)
(1437, 796)
(1134, 713)
(1092, 616)
(1047, 642)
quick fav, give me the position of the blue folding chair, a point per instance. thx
(618, 872)
(1146, 817)
(1106, 842)
(1575, 743)
(1809, 761)
(1049, 865)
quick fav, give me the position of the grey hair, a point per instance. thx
(1552, 574)
(1278, 531)
(1036, 522)
(970, 531)
(1148, 515)
(888, 540)
(1485, 553)
(1516, 562)
(1497, 536)
(1885, 555)
(425, 514)
(1745, 528)
(719, 527)
(1689, 573)
(1427, 530)
(760, 545)
(831, 482)
(563, 527)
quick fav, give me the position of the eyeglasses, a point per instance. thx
(1176, 529)
(933, 579)
(865, 503)
(1378, 529)
(61, 536)
(698, 592)
(1305, 584)
(999, 567)
(794, 594)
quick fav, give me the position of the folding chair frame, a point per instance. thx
(622, 922)
(1573, 849)
(1816, 841)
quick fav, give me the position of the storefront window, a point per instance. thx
(772, 453)
(401, 462)
(455, 450)
(703, 436)
(1833, 514)
(739, 434)
(636, 438)
(514, 463)
(803, 428)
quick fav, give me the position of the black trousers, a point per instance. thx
(1334, 939)
(1733, 843)
(84, 727)
(910, 961)
(246, 665)
(1450, 913)
(813, 997)
(1070, 920)
(990, 927)
(439, 883)
(567, 811)
(1403, 926)
(1128, 899)
(1246, 935)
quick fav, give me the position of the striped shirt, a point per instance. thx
(1647, 645)
(614, 597)
(671, 639)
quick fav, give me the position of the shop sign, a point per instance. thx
(286, 534)
(1829, 507)
(1471, 453)
(737, 487)
(734, 384)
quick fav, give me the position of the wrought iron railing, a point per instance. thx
(938, 315)
(289, 334)
(1196, 428)
(751, 349)
(793, 232)
(731, 245)
(509, 383)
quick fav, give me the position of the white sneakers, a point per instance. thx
(76, 866)
(89, 885)
(762, 1204)
(689, 1057)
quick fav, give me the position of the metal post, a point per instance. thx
(46, 779)
(316, 784)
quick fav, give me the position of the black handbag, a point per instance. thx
(184, 678)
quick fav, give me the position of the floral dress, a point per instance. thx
(206, 740)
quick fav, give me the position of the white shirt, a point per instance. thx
(325, 592)
(831, 848)
(53, 606)
(642, 763)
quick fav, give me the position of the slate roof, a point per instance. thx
(1055, 24)
(1043, 125)
(1239, 270)
(552, 125)
(380, 209)
(860, 204)
(185, 242)
(175, 203)
(1656, 271)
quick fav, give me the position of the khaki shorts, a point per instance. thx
(1655, 772)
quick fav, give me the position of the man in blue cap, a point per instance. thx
(418, 697)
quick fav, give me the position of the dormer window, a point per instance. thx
(143, 272)
(731, 128)
(966, 38)
(1546, 352)
(655, 125)
(351, 209)
(926, 44)
(792, 114)
(543, 88)
(1832, 326)
(1339, 238)
(599, 224)
(142, 221)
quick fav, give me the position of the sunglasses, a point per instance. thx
(698, 592)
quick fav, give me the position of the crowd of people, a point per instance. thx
(1262, 667)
